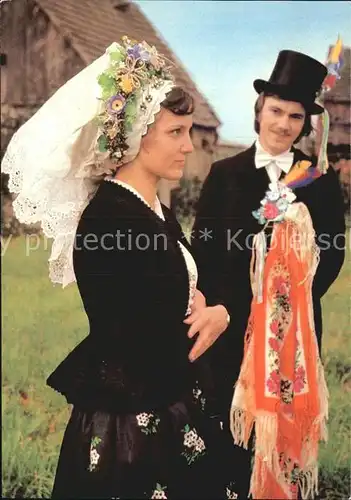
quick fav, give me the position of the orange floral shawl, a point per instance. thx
(281, 389)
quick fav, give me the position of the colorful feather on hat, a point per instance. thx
(334, 64)
(335, 52)
(303, 173)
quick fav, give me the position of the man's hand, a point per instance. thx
(209, 323)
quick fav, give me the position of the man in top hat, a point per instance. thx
(224, 226)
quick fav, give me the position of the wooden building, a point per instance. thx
(46, 42)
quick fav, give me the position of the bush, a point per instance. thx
(184, 199)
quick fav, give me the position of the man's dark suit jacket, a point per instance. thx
(232, 190)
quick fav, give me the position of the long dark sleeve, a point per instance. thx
(102, 268)
(219, 244)
(208, 242)
(329, 224)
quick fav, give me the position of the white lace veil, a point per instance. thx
(54, 164)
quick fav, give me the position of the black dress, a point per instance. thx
(144, 423)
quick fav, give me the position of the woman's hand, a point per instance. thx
(209, 323)
(199, 302)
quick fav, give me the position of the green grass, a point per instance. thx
(42, 323)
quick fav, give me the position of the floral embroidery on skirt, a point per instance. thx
(148, 422)
(195, 444)
(231, 494)
(94, 455)
(173, 453)
(198, 396)
(159, 492)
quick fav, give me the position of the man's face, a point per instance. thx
(281, 123)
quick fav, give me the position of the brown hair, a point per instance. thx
(179, 102)
(307, 126)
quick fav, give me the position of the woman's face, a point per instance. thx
(165, 146)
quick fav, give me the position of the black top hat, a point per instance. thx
(295, 77)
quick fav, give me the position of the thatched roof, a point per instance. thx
(92, 25)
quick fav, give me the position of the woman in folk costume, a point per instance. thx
(277, 244)
(142, 424)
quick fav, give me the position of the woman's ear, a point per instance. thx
(147, 140)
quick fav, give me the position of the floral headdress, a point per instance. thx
(130, 85)
(55, 158)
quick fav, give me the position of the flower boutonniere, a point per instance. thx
(274, 204)
(280, 194)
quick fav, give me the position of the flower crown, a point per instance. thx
(133, 67)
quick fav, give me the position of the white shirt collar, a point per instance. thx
(260, 150)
